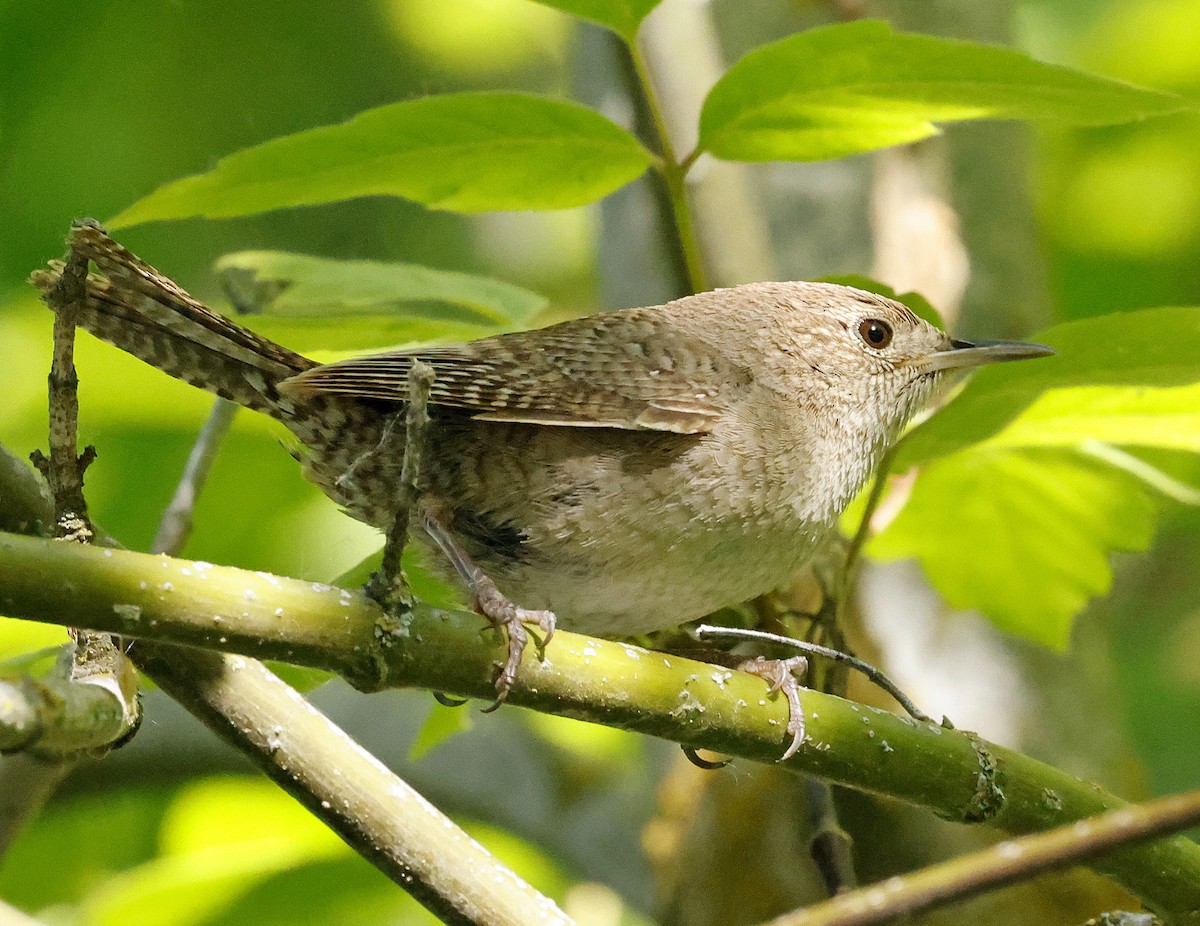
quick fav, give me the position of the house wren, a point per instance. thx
(627, 471)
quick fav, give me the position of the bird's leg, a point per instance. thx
(784, 676)
(491, 603)
(388, 586)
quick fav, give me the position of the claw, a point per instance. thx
(504, 614)
(492, 604)
(709, 765)
(783, 675)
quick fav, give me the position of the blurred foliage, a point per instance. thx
(297, 284)
(1121, 207)
(219, 850)
(108, 106)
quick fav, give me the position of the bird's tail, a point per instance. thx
(134, 307)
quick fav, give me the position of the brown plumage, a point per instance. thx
(630, 470)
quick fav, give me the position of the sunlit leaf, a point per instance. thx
(622, 16)
(20, 640)
(303, 678)
(1135, 196)
(859, 86)
(591, 743)
(283, 283)
(349, 892)
(1152, 40)
(1025, 463)
(1168, 418)
(345, 891)
(224, 812)
(1035, 531)
(468, 152)
(1127, 379)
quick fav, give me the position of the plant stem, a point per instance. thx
(1008, 862)
(378, 814)
(175, 525)
(675, 176)
(863, 532)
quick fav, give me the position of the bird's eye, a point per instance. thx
(877, 334)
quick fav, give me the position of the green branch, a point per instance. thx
(955, 774)
(62, 716)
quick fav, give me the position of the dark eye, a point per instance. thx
(876, 333)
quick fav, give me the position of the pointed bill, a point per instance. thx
(964, 355)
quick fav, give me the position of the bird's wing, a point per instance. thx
(632, 369)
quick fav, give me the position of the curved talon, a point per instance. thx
(518, 639)
(512, 619)
(545, 621)
(446, 700)
(707, 764)
(783, 675)
(492, 604)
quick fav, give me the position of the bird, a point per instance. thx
(615, 474)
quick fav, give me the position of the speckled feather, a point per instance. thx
(630, 470)
(630, 370)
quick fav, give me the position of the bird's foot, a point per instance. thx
(497, 608)
(784, 675)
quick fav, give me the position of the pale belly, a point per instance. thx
(677, 583)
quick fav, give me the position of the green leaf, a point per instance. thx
(1041, 526)
(283, 283)
(1130, 379)
(468, 152)
(1024, 462)
(1133, 416)
(19, 638)
(855, 87)
(621, 16)
(342, 891)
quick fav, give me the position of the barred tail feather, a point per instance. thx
(132, 306)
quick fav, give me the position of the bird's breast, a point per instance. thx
(628, 532)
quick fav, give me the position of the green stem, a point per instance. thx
(674, 173)
(686, 164)
(377, 813)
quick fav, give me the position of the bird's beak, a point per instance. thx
(963, 355)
